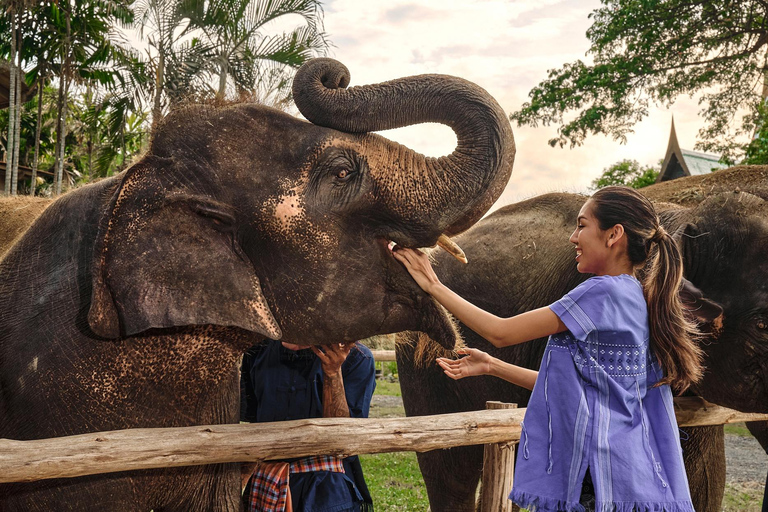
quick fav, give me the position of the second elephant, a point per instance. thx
(521, 259)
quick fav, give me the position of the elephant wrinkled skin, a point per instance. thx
(129, 302)
(521, 259)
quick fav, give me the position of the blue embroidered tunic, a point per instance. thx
(278, 384)
(594, 407)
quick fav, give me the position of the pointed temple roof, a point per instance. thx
(682, 162)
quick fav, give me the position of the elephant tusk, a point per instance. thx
(451, 248)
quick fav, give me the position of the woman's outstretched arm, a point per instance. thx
(501, 332)
(478, 362)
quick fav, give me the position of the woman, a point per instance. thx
(599, 432)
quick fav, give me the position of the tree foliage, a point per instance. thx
(628, 173)
(649, 52)
(99, 86)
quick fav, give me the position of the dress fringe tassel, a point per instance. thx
(543, 504)
(536, 503)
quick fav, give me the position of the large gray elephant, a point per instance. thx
(520, 259)
(129, 302)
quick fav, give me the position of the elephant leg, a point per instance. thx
(451, 477)
(103, 493)
(704, 457)
(214, 488)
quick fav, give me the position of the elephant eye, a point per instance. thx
(761, 324)
(344, 174)
(219, 218)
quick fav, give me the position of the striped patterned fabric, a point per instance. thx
(317, 463)
(268, 489)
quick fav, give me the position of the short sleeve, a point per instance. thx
(579, 307)
(359, 374)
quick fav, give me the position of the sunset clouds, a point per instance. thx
(507, 48)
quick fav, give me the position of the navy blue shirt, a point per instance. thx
(278, 384)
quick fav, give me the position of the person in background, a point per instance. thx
(281, 381)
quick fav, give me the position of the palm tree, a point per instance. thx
(245, 52)
(166, 25)
(85, 53)
(193, 43)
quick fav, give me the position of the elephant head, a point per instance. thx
(245, 216)
(731, 229)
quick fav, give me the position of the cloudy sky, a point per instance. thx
(505, 46)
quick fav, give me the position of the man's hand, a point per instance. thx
(331, 358)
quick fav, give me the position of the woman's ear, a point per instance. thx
(615, 234)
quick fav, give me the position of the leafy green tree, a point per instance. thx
(628, 173)
(243, 51)
(648, 52)
(199, 50)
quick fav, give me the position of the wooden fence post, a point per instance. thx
(498, 471)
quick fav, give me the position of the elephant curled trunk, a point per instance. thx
(432, 196)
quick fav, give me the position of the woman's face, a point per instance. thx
(592, 251)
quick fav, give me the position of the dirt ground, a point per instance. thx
(746, 462)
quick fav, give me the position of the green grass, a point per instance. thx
(395, 482)
(387, 388)
(742, 498)
(737, 429)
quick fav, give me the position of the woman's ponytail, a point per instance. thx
(673, 337)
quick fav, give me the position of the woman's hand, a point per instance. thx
(332, 356)
(418, 265)
(476, 362)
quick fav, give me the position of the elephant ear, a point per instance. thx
(697, 306)
(171, 259)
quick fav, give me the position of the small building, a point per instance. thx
(683, 162)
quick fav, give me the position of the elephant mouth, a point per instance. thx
(430, 317)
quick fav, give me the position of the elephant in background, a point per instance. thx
(520, 259)
(129, 302)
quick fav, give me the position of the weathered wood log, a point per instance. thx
(694, 411)
(383, 355)
(498, 471)
(121, 450)
(125, 450)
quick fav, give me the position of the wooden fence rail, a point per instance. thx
(122, 450)
(383, 355)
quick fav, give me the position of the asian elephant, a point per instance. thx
(520, 259)
(129, 302)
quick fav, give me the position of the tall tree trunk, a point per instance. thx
(19, 106)
(61, 130)
(223, 68)
(11, 107)
(122, 142)
(88, 105)
(60, 108)
(157, 110)
(38, 127)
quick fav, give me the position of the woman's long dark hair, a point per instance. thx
(673, 337)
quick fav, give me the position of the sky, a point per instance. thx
(506, 47)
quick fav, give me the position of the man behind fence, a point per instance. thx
(281, 381)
